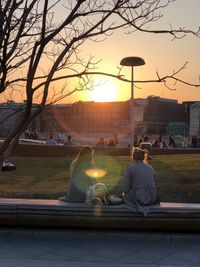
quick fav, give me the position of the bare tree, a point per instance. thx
(39, 47)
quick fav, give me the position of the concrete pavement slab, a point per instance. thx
(95, 249)
(12, 262)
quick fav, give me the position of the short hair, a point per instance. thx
(138, 154)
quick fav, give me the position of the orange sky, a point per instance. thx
(159, 52)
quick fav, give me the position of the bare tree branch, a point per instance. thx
(37, 46)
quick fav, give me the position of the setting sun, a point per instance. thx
(104, 93)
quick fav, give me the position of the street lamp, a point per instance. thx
(132, 62)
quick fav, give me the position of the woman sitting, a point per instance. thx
(138, 182)
(79, 180)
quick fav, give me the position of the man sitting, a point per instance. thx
(146, 144)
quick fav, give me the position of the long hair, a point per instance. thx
(85, 155)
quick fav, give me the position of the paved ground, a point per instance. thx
(28, 248)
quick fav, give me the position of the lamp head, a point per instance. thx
(132, 61)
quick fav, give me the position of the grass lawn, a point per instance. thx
(178, 176)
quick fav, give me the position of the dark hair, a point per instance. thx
(139, 154)
(155, 143)
(84, 155)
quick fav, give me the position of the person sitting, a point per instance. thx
(136, 141)
(146, 144)
(116, 139)
(138, 183)
(31, 136)
(79, 180)
(171, 142)
(156, 143)
(35, 135)
(111, 142)
(139, 142)
(51, 141)
(194, 142)
(101, 142)
(27, 134)
(68, 142)
(164, 144)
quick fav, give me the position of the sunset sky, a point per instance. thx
(159, 52)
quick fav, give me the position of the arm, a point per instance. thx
(126, 182)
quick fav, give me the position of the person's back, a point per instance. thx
(164, 144)
(138, 182)
(194, 142)
(156, 143)
(111, 142)
(171, 142)
(116, 139)
(68, 142)
(146, 144)
(51, 141)
(101, 142)
(79, 180)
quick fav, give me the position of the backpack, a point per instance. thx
(97, 194)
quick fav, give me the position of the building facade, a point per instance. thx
(86, 118)
(178, 128)
(158, 113)
(195, 119)
(10, 115)
(151, 116)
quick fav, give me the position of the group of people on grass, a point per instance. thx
(31, 135)
(157, 142)
(138, 184)
(111, 142)
(139, 141)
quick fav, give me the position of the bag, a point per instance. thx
(97, 194)
(114, 200)
(8, 166)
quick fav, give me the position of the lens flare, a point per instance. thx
(114, 167)
(96, 173)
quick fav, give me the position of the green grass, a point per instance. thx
(177, 176)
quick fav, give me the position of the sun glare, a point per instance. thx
(96, 173)
(104, 93)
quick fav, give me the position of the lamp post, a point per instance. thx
(132, 62)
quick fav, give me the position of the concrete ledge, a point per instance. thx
(54, 213)
(63, 151)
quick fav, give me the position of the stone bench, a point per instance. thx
(55, 213)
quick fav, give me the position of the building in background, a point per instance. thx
(153, 115)
(159, 112)
(10, 115)
(86, 118)
(195, 119)
(178, 128)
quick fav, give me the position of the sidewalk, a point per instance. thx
(50, 248)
